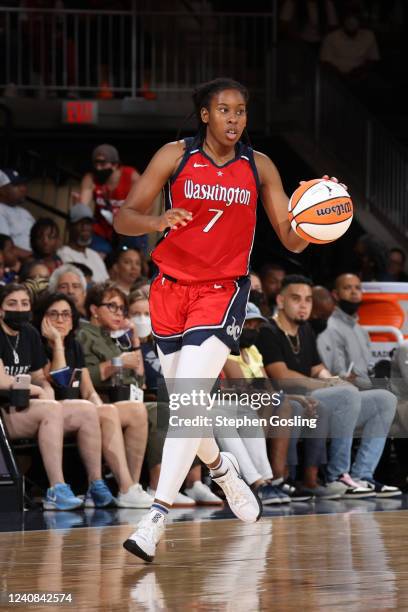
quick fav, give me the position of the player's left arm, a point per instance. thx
(275, 202)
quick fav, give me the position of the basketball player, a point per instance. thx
(198, 299)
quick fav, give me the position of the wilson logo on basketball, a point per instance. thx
(218, 193)
(339, 209)
(320, 211)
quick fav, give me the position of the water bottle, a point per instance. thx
(117, 376)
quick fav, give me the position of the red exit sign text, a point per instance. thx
(79, 112)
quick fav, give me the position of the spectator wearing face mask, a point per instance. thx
(323, 306)
(80, 237)
(108, 186)
(139, 313)
(15, 220)
(257, 296)
(345, 348)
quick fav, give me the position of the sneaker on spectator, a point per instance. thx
(295, 494)
(181, 500)
(332, 490)
(380, 490)
(61, 497)
(354, 490)
(98, 495)
(135, 497)
(270, 494)
(202, 495)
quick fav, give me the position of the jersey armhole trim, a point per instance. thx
(191, 147)
(249, 156)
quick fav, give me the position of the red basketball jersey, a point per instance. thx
(217, 242)
(107, 203)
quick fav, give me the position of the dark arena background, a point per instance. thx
(89, 91)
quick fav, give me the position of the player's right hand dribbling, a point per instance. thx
(173, 217)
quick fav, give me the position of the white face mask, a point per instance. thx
(143, 325)
(118, 333)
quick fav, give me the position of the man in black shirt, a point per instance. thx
(289, 351)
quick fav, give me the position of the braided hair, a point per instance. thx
(202, 96)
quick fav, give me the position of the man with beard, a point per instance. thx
(15, 220)
(345, 346)
(108, 186)
(290, 356)
(80, 238)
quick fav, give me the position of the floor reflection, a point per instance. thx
(355, 559)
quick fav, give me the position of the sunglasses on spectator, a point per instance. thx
(114, 308)
(54, 315)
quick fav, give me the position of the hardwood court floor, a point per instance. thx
(332, 562)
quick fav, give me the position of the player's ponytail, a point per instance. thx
(203, 94)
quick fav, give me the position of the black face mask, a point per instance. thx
(349, 308)
(248, 338)
(272, 302)
(101, 176)
(318, 325)
(257, 297)
(16, 319)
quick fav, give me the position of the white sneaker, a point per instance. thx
(135, 497)
(202, 495)
(181, 501)
(241, 499)
(142, 542)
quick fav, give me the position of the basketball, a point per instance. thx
(320, 211)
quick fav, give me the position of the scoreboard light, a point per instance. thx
(80, 112)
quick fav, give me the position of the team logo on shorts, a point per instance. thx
(233, 330)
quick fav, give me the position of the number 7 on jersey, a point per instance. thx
(214, 220)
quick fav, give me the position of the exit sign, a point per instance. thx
(80, 112)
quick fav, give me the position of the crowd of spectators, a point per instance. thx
(358, 40)
(76, 318)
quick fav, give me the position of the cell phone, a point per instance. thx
(76, 376)
(350, 369)
(21, 381)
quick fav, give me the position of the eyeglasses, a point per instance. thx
(114, 308)
(54, 315)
